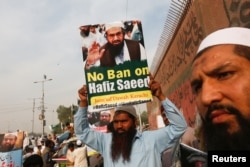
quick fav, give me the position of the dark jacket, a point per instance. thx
(133, 49)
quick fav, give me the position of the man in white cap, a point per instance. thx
(221, 84)
(116, 50)
(125, 146)
(105, 118)
(8, 142)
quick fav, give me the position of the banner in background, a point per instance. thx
(11, 149)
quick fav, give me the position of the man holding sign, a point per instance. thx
(125, 146)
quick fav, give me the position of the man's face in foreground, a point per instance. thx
(221, 84)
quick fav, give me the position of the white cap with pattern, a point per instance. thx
(231, 35)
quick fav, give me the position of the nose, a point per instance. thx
(210, 92)
(116, 37)
(119, 124)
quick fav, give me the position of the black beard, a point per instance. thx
(218, 137)
(115, 50)
(122, 144)
(6, 148)
(84, 34)
(104, 123)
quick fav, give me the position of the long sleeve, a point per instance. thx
(147, 146)
(89, 136)
(175, 129)
(81, 120)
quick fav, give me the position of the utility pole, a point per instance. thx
(42, 116)
(33, 113)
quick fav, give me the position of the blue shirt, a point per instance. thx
(147, 146)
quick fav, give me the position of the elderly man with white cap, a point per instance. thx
(125, 146)
(221, 84)
(105, 118)
(8, 142)
(116, 50)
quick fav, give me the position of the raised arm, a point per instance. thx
(90, 137)
(177, 124)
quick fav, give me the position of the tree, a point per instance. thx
(66, 114)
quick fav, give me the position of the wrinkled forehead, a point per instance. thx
(211, 56)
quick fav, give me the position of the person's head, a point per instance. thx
(105, 117)
(8, 142)
(33, 161)
(125, 118)
(67, 124)
(115, 33)
(164, 117)
(221, 84)
(29, 149)
(39, 146)
(78, 143)
(54, 136)
(42, 142)
(49, 143)
(92, 28)
(84, 30)
(49, 136)
(124, 130)
(71, 146)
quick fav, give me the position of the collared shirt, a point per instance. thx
(147, 146)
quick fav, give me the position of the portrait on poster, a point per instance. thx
(11, 151)
(115, 64)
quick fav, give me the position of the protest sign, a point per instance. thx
(115, 64)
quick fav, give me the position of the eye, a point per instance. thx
(196, 86)
(224, 75)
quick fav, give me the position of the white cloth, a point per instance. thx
(231, 35)
(80, 157)
(70, 158)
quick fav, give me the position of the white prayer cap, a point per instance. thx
(10, 134)
(105, 112)
(114, 24)
(78, 143)
(231, 35)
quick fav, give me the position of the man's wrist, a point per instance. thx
(83, 104)
(162, 97)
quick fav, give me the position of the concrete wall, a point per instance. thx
(173, 71)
